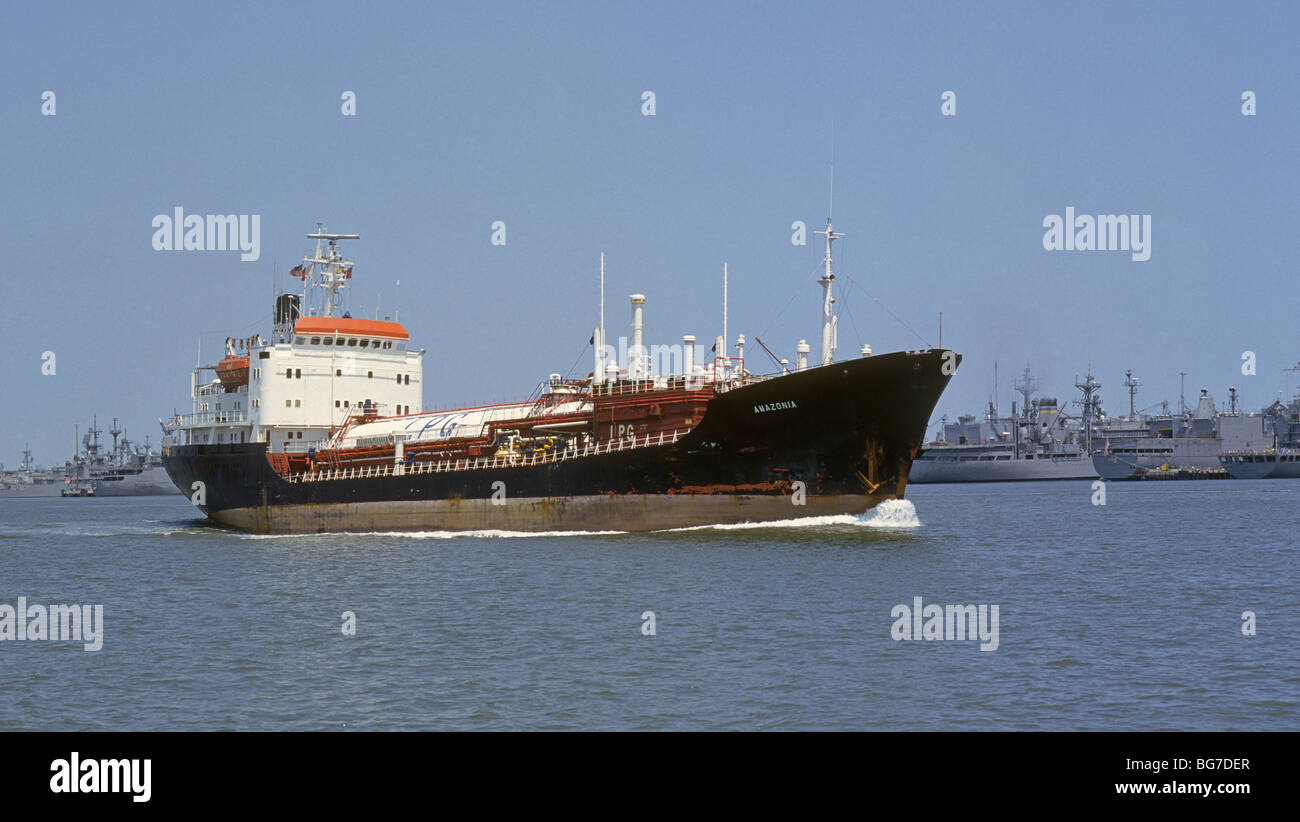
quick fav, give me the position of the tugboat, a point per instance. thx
(325, 430)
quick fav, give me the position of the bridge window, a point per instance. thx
(299, 340)
(370, 375)
(374, 343)
(315, 340)
(288, 373)
(288, 403)
(329, 341)
(352, 343)
(297, 403)
(338, 372)
(297, 372)
(364, 343)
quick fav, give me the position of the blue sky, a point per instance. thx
(532, 115)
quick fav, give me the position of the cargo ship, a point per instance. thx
(321, 428)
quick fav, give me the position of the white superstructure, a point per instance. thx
(294, 391)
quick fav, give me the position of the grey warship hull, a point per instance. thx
(928, 468)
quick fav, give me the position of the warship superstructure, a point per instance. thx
(1279, 456)
(322, 428)
(1189, 442)
(1038, 441)
(127, 469)
(30, 480)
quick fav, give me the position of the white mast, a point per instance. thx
(334, 269)
(598, 338)
(828, 277)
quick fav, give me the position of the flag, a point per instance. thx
(299, 271)
(347, 273)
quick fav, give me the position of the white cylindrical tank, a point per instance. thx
(636, 354)
(688, 355)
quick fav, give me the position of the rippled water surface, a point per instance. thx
(1115, 617)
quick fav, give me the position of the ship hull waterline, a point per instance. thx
(838, 439)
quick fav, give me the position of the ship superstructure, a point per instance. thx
(127, 469)
(317, 371)
(1278, 456)
(1189, 442)
(30, 480)
(1038, 441)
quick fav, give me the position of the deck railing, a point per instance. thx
(511, 460)
(201, 418)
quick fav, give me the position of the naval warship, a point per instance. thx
(1189, 442)
(30, 480)
(127, 469)
(322, 428)
(1038, 441)
(1279, 457)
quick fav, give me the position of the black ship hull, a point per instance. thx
(830, 440)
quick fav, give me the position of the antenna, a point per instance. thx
(1091, 405)
(1025, 386)
(334, 270)
(1132, 392)
(828, 277)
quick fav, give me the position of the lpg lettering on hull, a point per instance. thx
(132, 776)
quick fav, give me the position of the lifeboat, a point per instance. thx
(233, 371)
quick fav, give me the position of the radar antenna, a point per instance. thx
(1132, 385)
(332, 268)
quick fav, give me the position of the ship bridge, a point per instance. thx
(318, 370)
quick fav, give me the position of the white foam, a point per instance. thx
(892, 513)
(800, 522)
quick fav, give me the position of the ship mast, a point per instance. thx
(598, 338)
(828, 277)
(332, 267)
(1132, 383)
